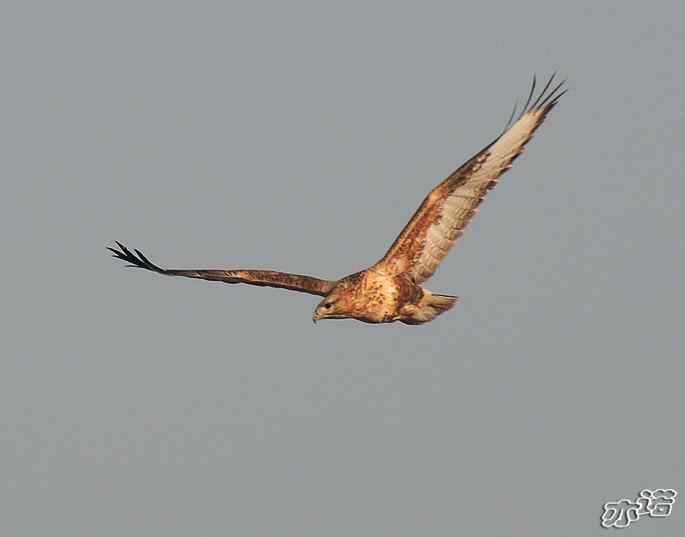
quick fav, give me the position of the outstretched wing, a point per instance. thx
(443, 215)
(284, 280)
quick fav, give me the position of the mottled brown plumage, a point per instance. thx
(390, 290)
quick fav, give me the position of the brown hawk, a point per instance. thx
(391, 289)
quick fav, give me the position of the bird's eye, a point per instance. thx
(327, 305)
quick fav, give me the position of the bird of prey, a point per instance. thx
(391, 290)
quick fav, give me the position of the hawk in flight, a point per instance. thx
(391, 289)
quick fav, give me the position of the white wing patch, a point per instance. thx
(468, 186)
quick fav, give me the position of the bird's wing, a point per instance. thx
(443, 215)
(284, 280)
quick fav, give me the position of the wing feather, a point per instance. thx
(269, 278)
(440, 220)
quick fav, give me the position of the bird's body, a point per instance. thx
(391, 290)
(376, 295)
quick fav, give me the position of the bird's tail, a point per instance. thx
(442, 303)
(429, 307)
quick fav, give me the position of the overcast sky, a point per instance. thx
(301, 136)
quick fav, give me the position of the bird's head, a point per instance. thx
(340, 303)
(329, 308)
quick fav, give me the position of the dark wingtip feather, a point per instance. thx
(525, 108)
(137, 260)
(549, 83)
(554, 101)
(511, 117)
(546, 99)
(552, 95)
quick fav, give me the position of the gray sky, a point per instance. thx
(302, 136)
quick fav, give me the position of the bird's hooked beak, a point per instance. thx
(316, 316)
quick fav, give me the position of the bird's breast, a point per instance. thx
(378, 297)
